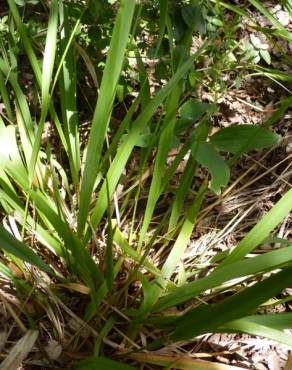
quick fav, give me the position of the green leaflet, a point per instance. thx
(242, 138)
(192, 15)
(208, 157)
(191, 111)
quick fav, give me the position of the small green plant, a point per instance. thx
(256, 49)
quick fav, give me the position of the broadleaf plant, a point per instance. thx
(243, 138)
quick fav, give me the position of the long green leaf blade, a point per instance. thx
(104, 105)
(68, 94)
(101, 363)
(47, 71)
(208, 318)
(245, 325)
(262, 229)
(9, 244)
(252, 266)
(117, 167)
(163, 147)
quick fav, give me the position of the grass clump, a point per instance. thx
(98, 213)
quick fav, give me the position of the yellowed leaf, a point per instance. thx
(181, 362)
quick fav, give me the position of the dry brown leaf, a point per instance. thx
(181, 362)
(289, 362)
(88, 63)
(53, 349)
(20, 351)
(74, 286)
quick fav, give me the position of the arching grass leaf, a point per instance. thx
(245, 325)
(9, 244)
(251, 266)
(104, 106)
(179, 361)
(262, 229)
(101, 363)
(207, 318)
